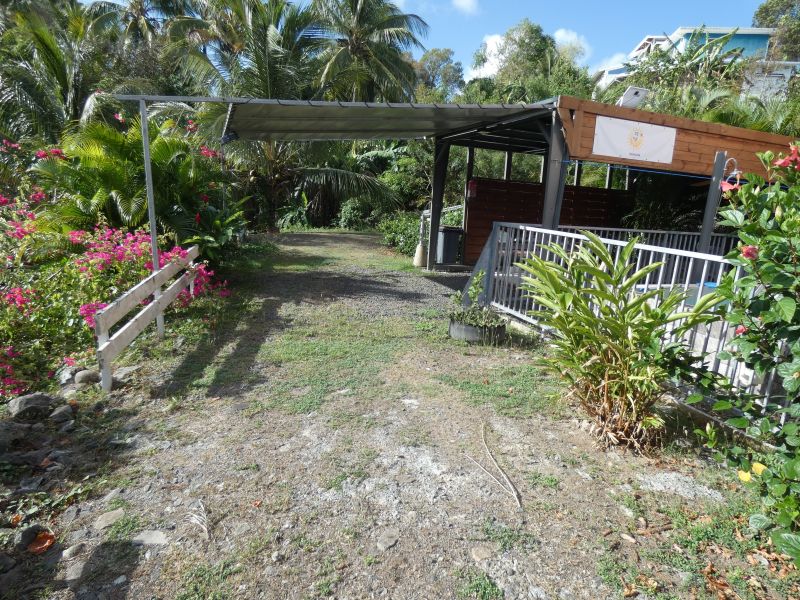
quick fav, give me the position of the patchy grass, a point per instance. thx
(541, 480)
(208, 582)
(507, 537)
(478, 585)
(124, 529)
(516, 391)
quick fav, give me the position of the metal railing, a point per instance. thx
(721, 243)
(694, 273)
(425, 220)
(110, 346)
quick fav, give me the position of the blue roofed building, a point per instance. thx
(766, 78)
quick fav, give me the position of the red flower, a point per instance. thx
(41, 154)
(792, 159)
(197, 218)
(750, 252)
(741, 329)
(119, 117)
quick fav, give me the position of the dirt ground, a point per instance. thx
(322, 441)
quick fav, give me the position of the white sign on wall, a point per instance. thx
(633, 140)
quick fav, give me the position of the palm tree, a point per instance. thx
(366, 55)
(48, 69)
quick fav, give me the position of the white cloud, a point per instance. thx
(492, 64)
(568, 37)
(468, 7)
(612, 61)
(401, 4)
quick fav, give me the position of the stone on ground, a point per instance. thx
(108, 519)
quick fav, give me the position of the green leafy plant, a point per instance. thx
(764, 314)
(401, 232)
(473, 313)
(607, 335)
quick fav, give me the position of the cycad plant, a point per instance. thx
(607, 334)
(102, 179)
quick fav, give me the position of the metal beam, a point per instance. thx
(470, 171)
(507, 166)
(441, 154)
(151, 205)
(712, 203)
(556, 175)
(578, 173)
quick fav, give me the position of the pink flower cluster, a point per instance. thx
(191, 126)
(19, 298)
(108, 247)
(119, 117)
(9, 146)
(208, 152)
(19, 230)
(10, 386)
(37, 196)
(88, 311)
(5, 201)
(52, 153)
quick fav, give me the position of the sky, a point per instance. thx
(606, 29)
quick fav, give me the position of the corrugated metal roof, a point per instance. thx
(516, 127)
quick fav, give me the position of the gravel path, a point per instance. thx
(321, 444)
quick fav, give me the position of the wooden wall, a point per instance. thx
(521, 202)
(696, 142)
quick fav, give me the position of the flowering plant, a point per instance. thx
(764, 314)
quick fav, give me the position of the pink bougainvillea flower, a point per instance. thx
(37, 196)
(119, 117)
(69, 361)
(792, 159)
(208, 152)
(19, 298)
(197, 218)
(88, 311)
(750, 252)
(191, 126)
(19, 230)
(9, 145)
(741, 330)
(77, 237)
(4, 201)
(58, 153)
(204, 198)
(42, 154)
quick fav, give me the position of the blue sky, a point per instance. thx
(608, 29)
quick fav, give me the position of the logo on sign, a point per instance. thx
(636, 138)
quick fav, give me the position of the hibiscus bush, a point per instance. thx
(764, 312)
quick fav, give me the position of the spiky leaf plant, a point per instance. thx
(607, 335)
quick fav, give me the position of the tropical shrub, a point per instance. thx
(401, 232)
(471, 312)
(766, 320)
(607, 336)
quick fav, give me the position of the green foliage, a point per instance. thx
(401, 232)
(763, 312)
(478, 585)
(607, 335)
(783, 15)
(473, 313)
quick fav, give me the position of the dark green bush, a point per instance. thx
(401, 232)
(354, 214)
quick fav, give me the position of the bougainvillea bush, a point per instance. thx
(766, 320)
(53, 283)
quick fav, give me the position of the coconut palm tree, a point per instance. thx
(367, 45)
(49, 68)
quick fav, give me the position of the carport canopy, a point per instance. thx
(561, 128)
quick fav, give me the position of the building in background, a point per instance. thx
(767, 78)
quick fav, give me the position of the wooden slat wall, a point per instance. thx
(696, 143)
(522, 202)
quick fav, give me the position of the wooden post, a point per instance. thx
(712, 203)
(151, 206)
(557, 160)
(507, 166)
(441, 153)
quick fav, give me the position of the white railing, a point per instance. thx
(693, 273)
(110, 346)
(425, 220)
(721, 243)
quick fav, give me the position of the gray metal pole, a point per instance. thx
(470, 172)
(608, 177)
(578, 173)
(507, 166)
(556, 175)
(151, 205)
(441, 153)
(712, 203)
